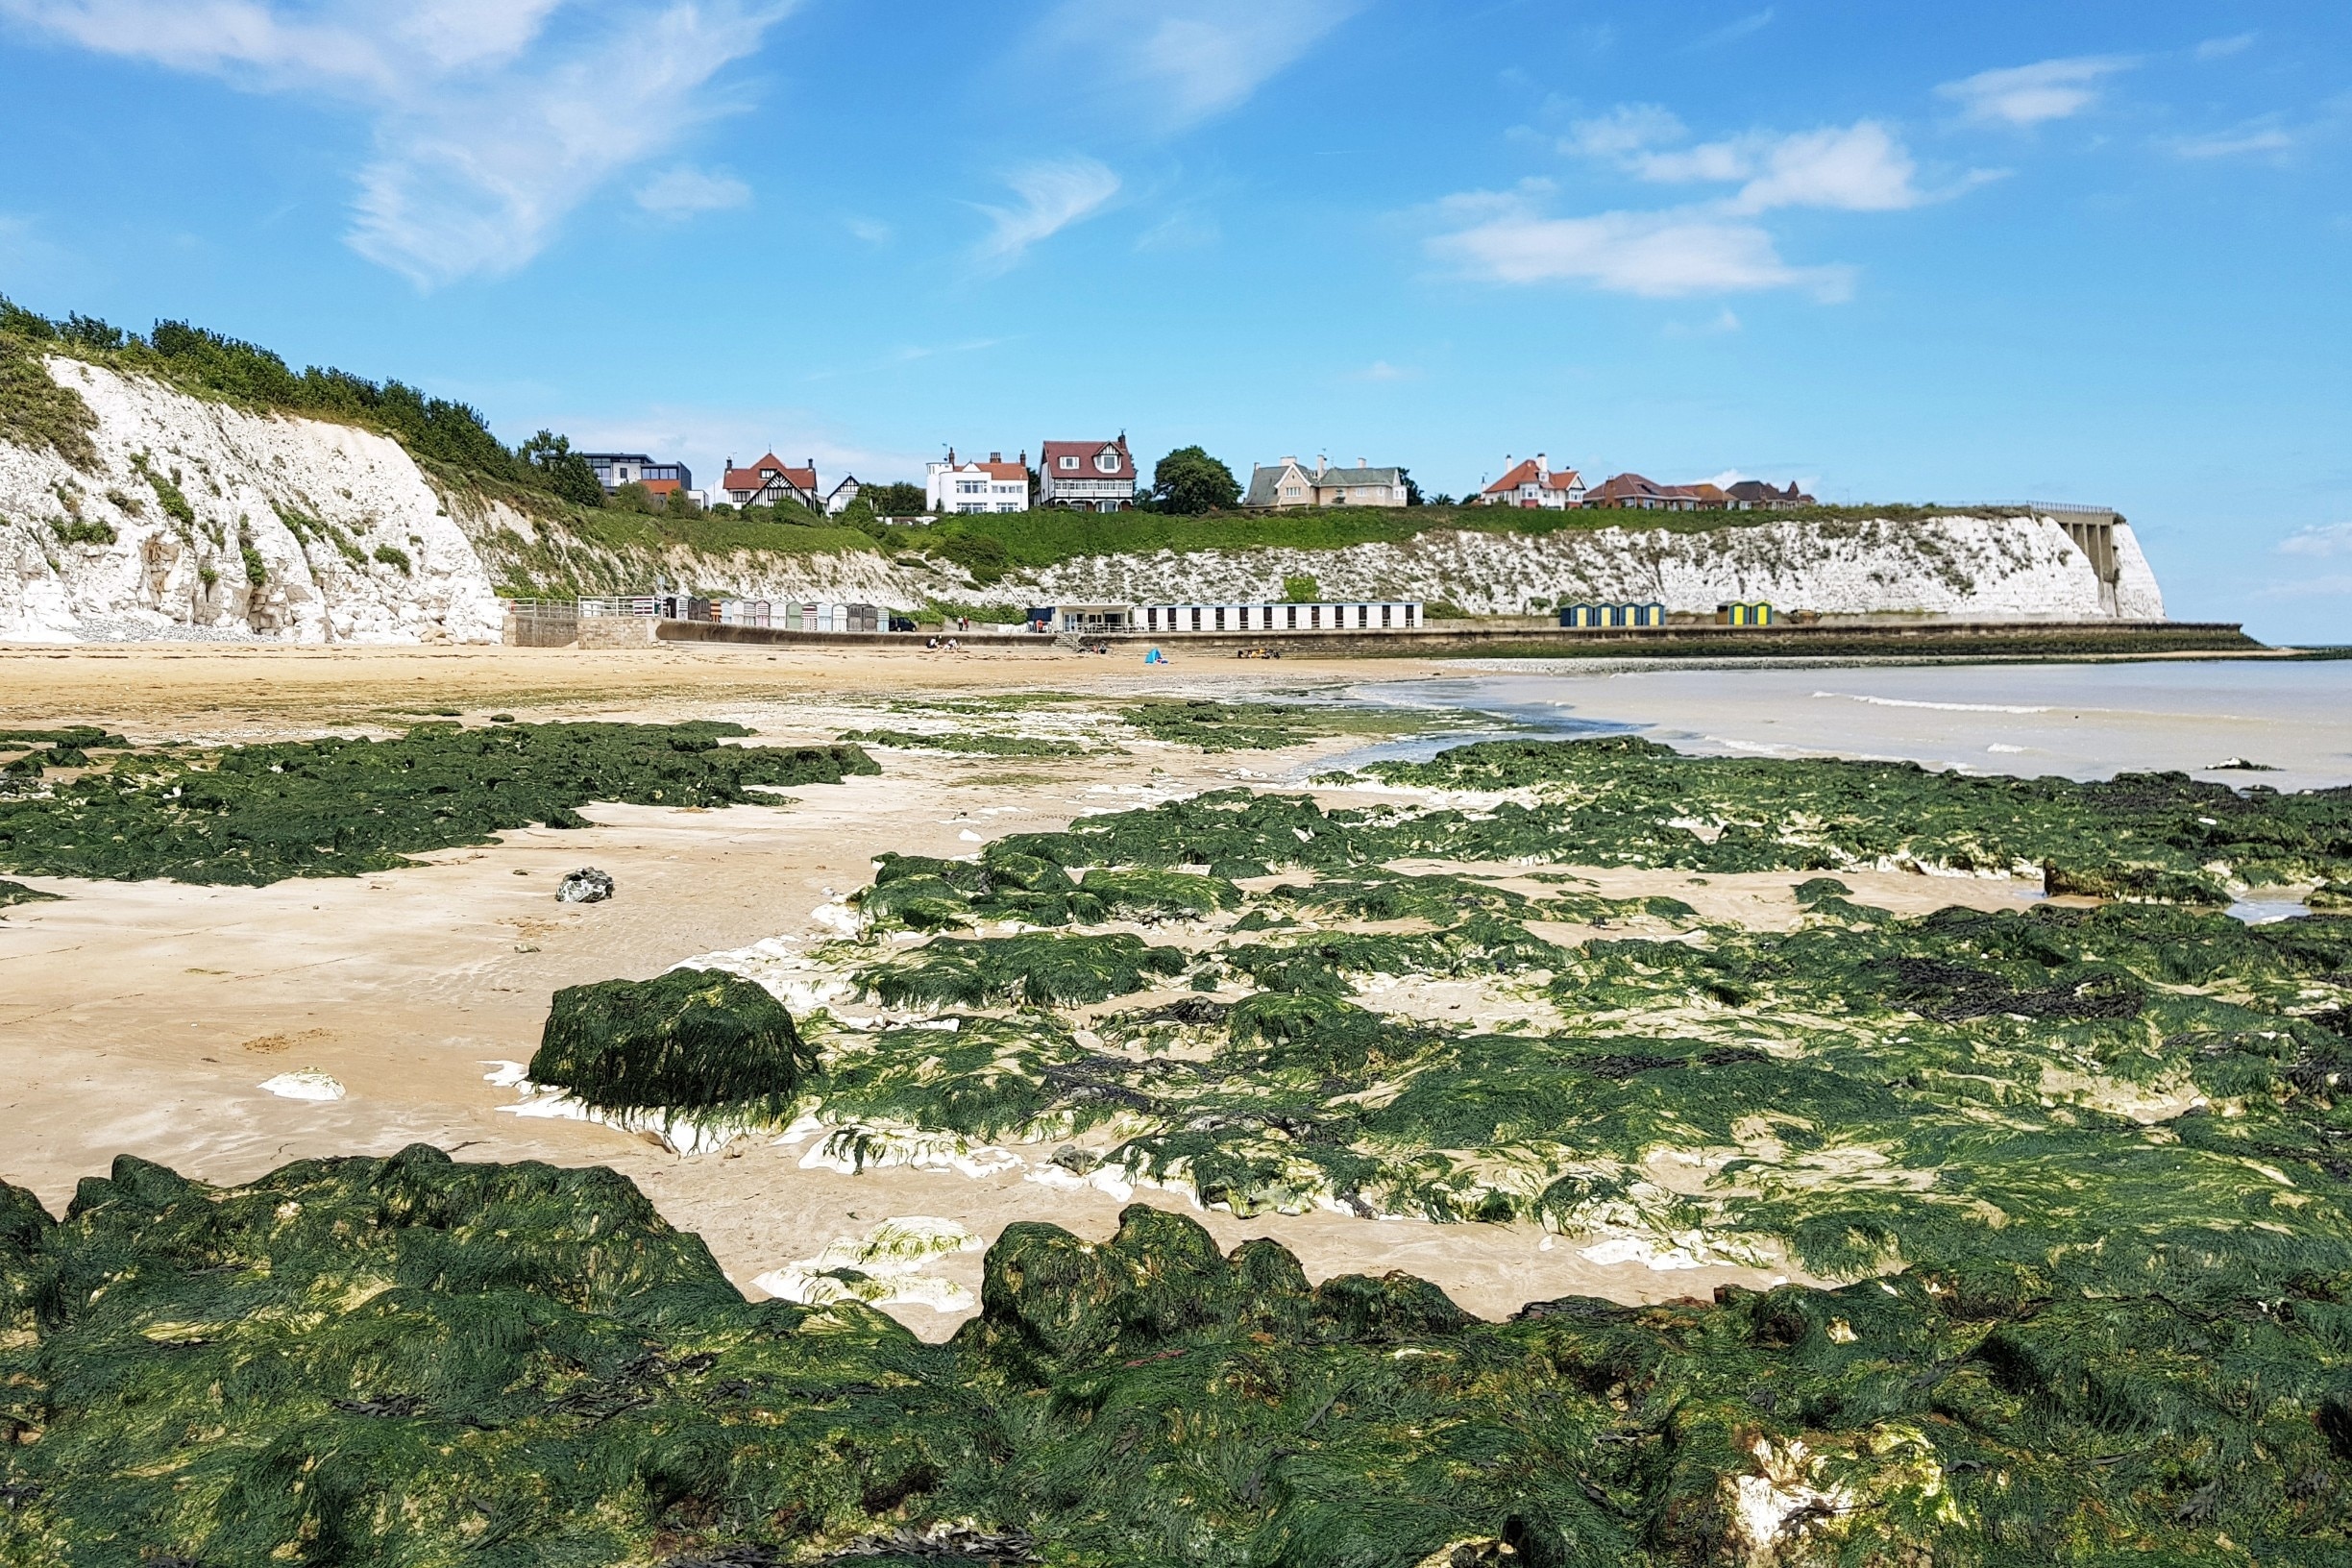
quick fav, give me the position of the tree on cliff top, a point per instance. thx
(1189, 480)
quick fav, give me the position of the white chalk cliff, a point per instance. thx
(200, 520)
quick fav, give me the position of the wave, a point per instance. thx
(1910, 703)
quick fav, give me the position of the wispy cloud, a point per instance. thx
(493, 119)
(1053, 195)
(1380, 370)
(2260, 135)
(873, 230)
(1708, 247)
(1732, 32)
(1663, 254)
(1860, 167)
(1174, 64)
(2328, 539)
(2334, 584)
(2223, 48)
(681, 192)
(2024, 95)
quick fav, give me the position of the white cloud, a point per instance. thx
(2222, 48)
(2335, 583)
(1380, 370)
(2324, 539)
(1657, 255)
(1177, 62)
(681, 192)
(1859, 168)
(2263, 135)
(1054, 195)
(873, 230)
(493, 118)
(2049, 89)
(1733, 31)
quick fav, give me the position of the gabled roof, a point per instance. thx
(1627, 487)
(1564, 479)
(1523, 472)
(1352, 477)
(757, 475)
(1264, 479)
(1086, 452)
(1757, 490)
(1702, 491)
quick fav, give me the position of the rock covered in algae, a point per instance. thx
(688, 1042)
(254, 815)
(411, 1360)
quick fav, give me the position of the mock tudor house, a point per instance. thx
(1290, 483)
(837, 499)
(615, 469)
(992, 487)
(1536, 482)
(770, 480)
(1087, 476)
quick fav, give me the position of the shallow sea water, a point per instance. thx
(2083, 721)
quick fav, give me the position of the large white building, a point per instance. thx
(992, 487)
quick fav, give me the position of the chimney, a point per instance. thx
(1543, 466)
(951, 458)
(1322, 463)
(996, 456)
(1289, 462)
(1364, 462)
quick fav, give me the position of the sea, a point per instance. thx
(2286, 725)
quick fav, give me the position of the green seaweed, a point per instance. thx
(16, 893)
(688, 1042)
(964, 742)
(411, 1360)
(1032, 968)
(256, 814)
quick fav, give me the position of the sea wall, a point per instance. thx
(2023, 567)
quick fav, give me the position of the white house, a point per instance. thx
(839, 497)
(1087, 476)
(992, 487)
(1536, 482)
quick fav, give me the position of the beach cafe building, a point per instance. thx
(1613, 615)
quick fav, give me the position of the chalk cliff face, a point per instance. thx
(228, 525)
(198, 520)
(2007, 567)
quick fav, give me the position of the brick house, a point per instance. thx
(1087, 476)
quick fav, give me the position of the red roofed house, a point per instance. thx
(770, 480)
(1536, 482)
(1087, 476)
(992, 487)
(1633, 491)
(1754, 495)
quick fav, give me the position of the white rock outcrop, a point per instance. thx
(1990, 568)
(348, 541)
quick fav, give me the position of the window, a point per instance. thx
(1363, 616)
(1384, 615)
(1151, 617)
(1220, 617)
(970, 487)
(1197, 617)
(1290, 617)
(1314, 615)
(1107, 461)
(1408, 615)
(1071, 463)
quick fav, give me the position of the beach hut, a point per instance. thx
(1743, 615)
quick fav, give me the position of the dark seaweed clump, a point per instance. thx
(409, 1360)
(1003, 884)
(16, 893)
(254, 815)
(964, 742)
(690, 1040)
(1234, 727)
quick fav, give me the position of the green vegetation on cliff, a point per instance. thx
(335, 807)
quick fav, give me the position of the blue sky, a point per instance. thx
(2097, 252)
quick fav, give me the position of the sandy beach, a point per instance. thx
(142, 1018)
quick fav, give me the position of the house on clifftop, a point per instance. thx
(994, 486)
(1087, 476)
(769, 480)
(1536, 482)
(1290, 483)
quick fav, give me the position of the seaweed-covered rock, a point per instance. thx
(691, 1041)
(254, 815)
(1033, 967)
(16, 893)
